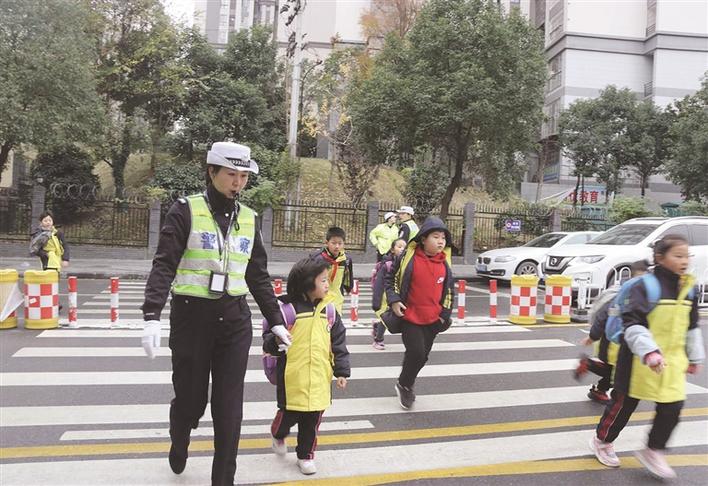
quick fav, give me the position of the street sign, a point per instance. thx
(512, 225)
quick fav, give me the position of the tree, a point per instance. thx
(688, 164)
(135, 47)
(648, 134)
(467, 81)
(595, 133)
(47, 84)
(423, 188)
(384, 17)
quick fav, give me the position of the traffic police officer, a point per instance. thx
(211, 255)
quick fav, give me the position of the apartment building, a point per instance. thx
(656, 48)
(324, 21)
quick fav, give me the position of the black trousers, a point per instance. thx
(379, 330)
(210, 337)
(617, 414)
(418, 341)
(604, 371)
(308, 423)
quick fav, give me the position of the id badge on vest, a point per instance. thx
(218, 282)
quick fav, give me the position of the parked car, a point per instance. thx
(607, 257)
(525, 259)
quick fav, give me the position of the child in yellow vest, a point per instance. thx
(49, 245)
(662, 342)
(310, 353)
(340, 273)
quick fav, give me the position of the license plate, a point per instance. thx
(481, 268)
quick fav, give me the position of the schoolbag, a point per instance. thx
(377, 268)
(270, 362)
(38, 241)
(614, 327)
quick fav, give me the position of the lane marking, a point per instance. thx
(124, 351)
(35, 416)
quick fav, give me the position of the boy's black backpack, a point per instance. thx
(38, 241)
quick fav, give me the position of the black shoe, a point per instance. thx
(178, 460)
(406, 397)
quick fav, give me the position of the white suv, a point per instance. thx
(607, 257)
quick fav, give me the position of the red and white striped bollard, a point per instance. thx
(73, 289)
(492, 301)
(114, 301)
(461, 302)
(355, 303)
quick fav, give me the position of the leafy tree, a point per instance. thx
(356, 172)
(624, 208)
(423, 188)
(648, 133)
(66, 166)
(177, 179)
(389, 16)
(467, 81)
(47, 85)
(688, 163)
(135, 47)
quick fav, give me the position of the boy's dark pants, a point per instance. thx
(379, 330)
(307, 425)
(604, 371)
(617, 414)
(418, 340)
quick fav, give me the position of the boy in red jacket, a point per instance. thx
(420, 291)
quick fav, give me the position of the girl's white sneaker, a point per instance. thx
(307, 466)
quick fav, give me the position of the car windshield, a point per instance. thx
(545, 241)
(627, 234)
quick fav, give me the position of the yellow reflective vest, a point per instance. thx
(668, 324)
(383, 236)
(202, 256)
(54, 250)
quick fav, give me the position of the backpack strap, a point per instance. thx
(331, 313)
(653, 288)
(289, 314)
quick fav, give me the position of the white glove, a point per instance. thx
(285, 338)
(151, 338)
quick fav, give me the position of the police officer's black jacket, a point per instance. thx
(171, 246)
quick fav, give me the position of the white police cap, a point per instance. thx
(233, 156)
(406, 209)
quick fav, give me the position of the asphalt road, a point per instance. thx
(497, 405)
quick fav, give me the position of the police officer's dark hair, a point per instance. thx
(46, 213)
(335, 231)
(662, 246)
(301, 279)
(207, 177)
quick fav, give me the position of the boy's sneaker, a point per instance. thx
(406, 397)
(582, 368)
(307, 466)
(598, 396)
(655, 462)
(379, 345)
(280, 447)
(605, 452)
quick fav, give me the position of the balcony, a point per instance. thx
(553, 82)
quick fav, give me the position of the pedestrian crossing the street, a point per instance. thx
(86, 407)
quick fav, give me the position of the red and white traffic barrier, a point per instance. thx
(461, 302)
(355, 303)
(492, 301)
(73, 292)
(278, 287)
(114, 300)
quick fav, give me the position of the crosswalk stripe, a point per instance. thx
(58, 378)
(36, 416)
(163, 433)
(101, 328)
(124, 351)
(268, 468)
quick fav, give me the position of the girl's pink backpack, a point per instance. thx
(270, 362)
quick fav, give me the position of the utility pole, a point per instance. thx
(295, 88)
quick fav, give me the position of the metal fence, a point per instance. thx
(499, 227)
(15, 214)
(303, 224)
(108, 223)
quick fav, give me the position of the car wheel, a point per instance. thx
(527, 268)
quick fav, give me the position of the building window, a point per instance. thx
(555, 68)
(651, 17)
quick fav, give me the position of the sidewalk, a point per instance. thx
(139, 269)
